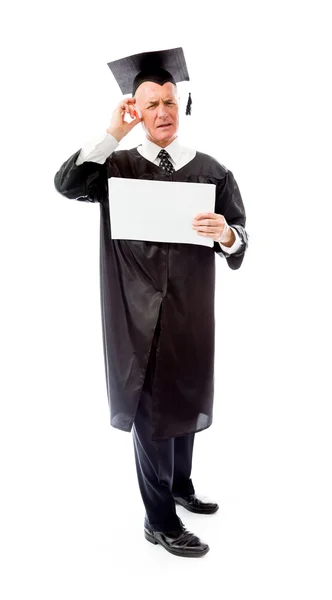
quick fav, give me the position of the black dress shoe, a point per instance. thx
(180, 542)
(195, 505)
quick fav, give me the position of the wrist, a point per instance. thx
(115, 133)
(229, 239)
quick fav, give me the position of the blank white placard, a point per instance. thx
(158, 211)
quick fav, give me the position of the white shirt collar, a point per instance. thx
(151, 150)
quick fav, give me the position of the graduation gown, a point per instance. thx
(140, 280)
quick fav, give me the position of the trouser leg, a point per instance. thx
(154, 461)
(183, 454)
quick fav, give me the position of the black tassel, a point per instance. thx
(189, 103)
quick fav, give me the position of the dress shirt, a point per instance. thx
(101, 147)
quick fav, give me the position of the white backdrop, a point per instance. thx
(71, 512)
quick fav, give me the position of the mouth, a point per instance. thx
(164, 126)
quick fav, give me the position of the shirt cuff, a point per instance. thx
(237, 244)
(98, 149)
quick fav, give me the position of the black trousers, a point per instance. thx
(163, 467)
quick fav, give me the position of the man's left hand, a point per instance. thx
(214, 226)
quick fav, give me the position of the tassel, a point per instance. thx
(189, 103)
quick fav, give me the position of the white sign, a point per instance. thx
(158, 211)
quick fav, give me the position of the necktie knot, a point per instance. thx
(165, 163)
(163, 153)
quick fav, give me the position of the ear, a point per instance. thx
(137, 107)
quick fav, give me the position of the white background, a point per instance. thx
(71, 512)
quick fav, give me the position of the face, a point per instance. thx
(159, 108)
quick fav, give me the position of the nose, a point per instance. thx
(162, 111)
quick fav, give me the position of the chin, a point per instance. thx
(164, 136)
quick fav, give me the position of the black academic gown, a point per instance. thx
(138, 279)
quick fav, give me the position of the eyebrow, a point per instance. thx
(154, 102)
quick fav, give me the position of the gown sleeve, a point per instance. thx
(87, 182)
(229, 203)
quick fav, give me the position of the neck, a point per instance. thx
(161, 143)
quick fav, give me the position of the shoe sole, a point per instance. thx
(183, 553)
(198, 512)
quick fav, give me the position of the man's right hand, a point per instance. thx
(118, 127)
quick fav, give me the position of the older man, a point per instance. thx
(157, 299)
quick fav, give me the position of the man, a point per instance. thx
(157, 298)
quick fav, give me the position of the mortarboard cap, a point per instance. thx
(160, 66)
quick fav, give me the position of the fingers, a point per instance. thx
(215, 227)
(214, 220)
(131, 109)
(127, 101)
(206, 228)
(209, 227)
(207, 215)
(201, 222)
(127, 107)
(212, 232)
(134, 122)
(210, 222)
(125, 116)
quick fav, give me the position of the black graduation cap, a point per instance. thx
(159, 66)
